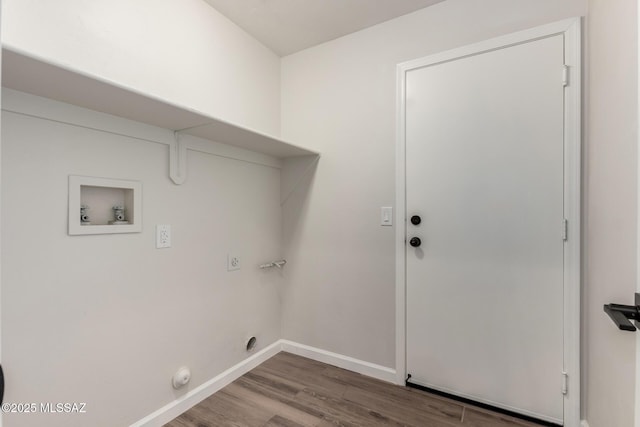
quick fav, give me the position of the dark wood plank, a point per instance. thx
(273, 382)
(277, 395)
(343, 412)
(278, 421)
(474, 417)
(294, 370)
(273, 406)
(230, 410)
(410, 411)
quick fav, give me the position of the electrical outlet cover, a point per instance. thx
(233, 262)
(163, 236)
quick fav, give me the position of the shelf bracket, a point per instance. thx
(177, 160)
(294, 173)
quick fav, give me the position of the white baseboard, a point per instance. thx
(341, 361)
(197, 395)
(584, 423)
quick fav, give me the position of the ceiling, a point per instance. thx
(288, 26)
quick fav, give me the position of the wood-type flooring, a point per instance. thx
(291, 391)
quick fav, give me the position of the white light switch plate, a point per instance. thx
(386, 216)
(163, 236)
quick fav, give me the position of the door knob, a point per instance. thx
(1, 384)
(415, 242)
(415, 220)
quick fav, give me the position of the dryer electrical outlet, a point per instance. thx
(233, 262)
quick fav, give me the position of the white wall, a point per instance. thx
(108, 319)
(182, 51)
(610, 208)
(339, 98)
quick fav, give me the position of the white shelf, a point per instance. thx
(26, 73)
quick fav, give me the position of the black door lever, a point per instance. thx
(623, 314)
(1, 384)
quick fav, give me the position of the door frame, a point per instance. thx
(637, 379)
(3, 379)
(571, 31)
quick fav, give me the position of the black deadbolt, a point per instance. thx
(415, 242)
(415, 220)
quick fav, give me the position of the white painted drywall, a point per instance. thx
(610, 209)
(339, 98)
(108, 319)
(182, 51)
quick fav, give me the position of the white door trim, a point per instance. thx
(1, 418)
(637, 400)
(571, 30)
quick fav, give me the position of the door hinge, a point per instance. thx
(565, 382)
(565, 229)
(565, 75)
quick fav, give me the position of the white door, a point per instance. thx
(484, 172)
